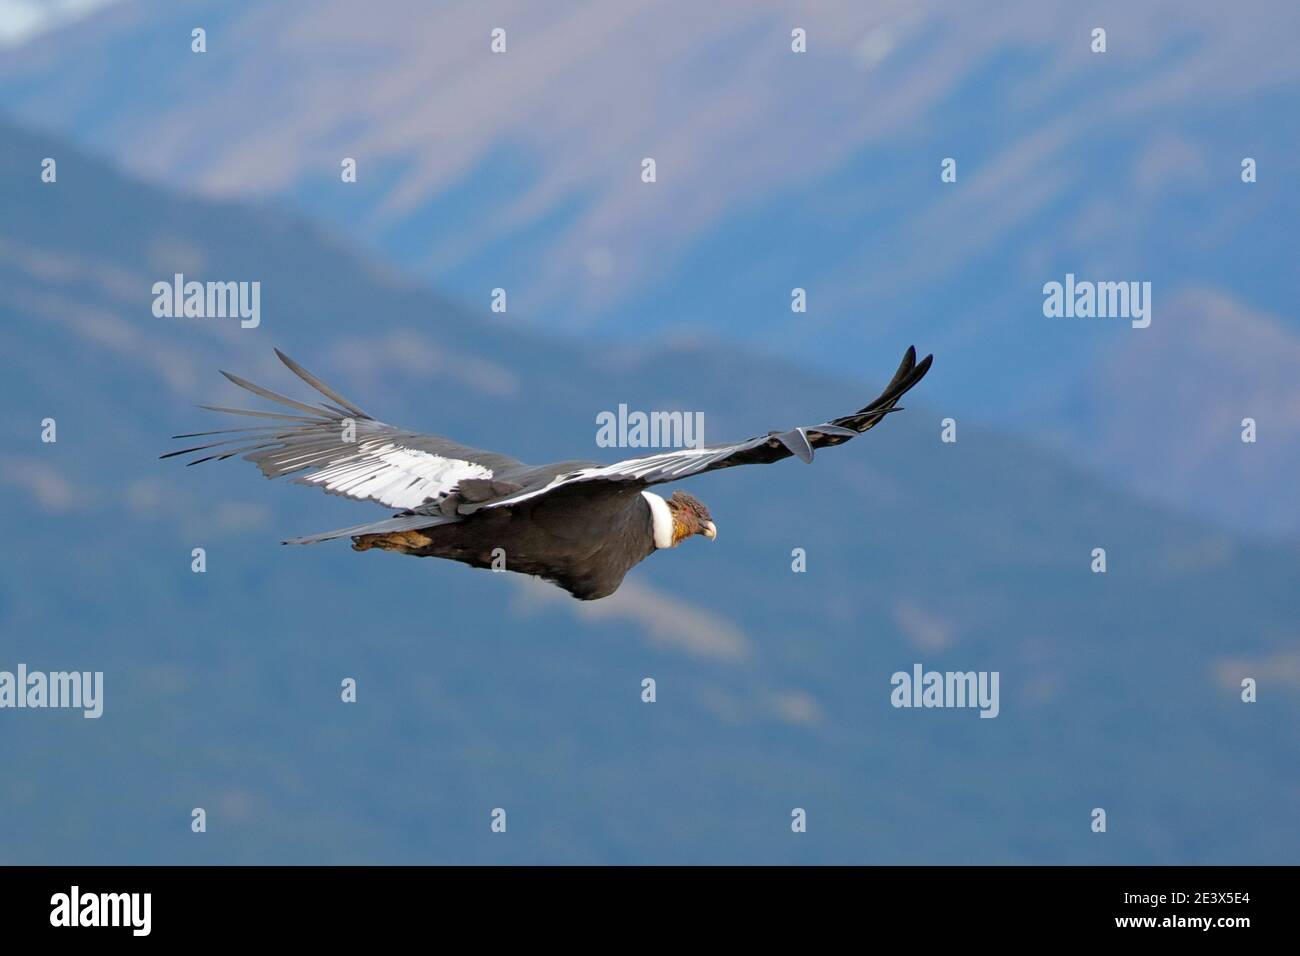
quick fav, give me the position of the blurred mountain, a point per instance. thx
(775, 170)
(478, 691)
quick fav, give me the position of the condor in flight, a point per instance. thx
(578, 524)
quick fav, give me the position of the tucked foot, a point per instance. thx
(406, 542)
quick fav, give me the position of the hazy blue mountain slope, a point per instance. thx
(477, 691)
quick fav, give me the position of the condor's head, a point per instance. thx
(690, 517)
(680, 517)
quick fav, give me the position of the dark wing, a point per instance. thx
(765, 449)
(342, 450)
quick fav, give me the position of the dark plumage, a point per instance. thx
(579, 524)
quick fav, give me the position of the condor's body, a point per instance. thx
(584, 542)
(581, 525)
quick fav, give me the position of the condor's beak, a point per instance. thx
(710, 531)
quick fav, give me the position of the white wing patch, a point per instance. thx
(394, 475)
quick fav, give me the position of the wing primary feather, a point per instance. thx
(272, 396)
(341, 412)
(316, 417)
(222, 456)
(320, 386)
(186, 451)
(233, 431)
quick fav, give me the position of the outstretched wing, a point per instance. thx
(765, 449)
(344, 451)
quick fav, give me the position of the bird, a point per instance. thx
(580, 525)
